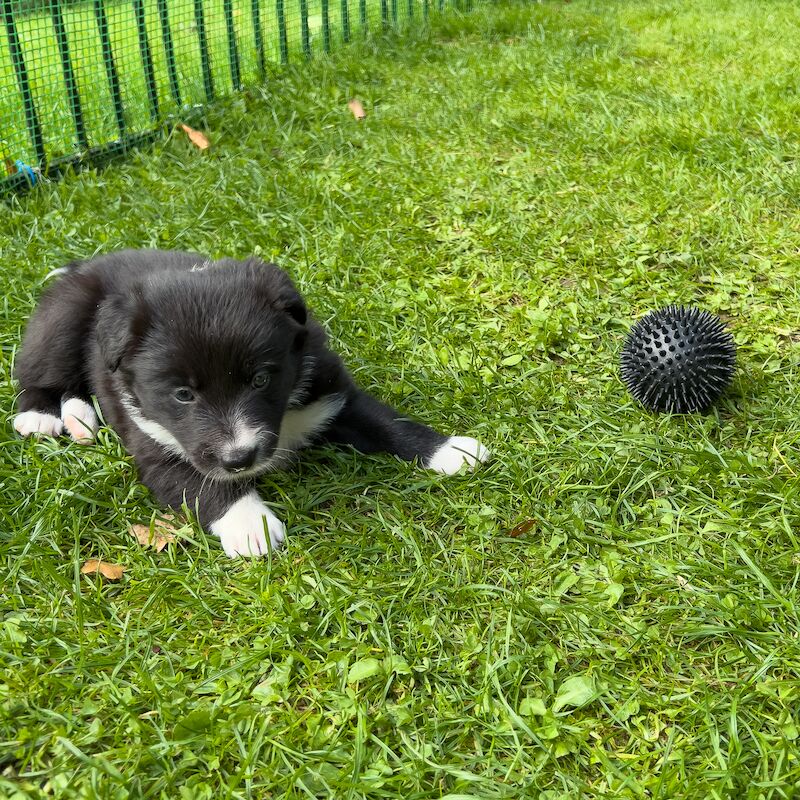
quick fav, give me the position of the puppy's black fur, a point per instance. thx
(211, 372)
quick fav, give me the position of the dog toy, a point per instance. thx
(678, 359)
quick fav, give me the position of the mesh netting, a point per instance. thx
(82, 78)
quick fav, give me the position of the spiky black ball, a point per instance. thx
(678, 359)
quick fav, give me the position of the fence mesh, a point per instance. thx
(81, 79)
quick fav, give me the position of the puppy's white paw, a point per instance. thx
(79, 419)
(35, 423)
(455, 453)
(242, 528)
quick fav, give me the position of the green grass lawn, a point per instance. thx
(529, 181)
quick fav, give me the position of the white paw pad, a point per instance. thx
(79, 420)
(35, 423)
(455, 453)
(249, 528)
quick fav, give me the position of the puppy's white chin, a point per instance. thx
(220, 475)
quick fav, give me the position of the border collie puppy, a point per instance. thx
(212, 372)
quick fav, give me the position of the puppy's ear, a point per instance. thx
(288, 299)
(118, 327)
(291, 302)
(280, 291)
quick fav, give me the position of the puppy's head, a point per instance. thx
(207, 361)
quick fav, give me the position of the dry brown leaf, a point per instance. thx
(111, 571)
(357, 109)
(523, 527)
(161, 535)
(197, 138)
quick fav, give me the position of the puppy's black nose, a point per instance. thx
(239, 460)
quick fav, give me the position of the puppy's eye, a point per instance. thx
(260, 380)
(184, 395)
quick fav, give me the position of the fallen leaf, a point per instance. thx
(523, 527)
(111, 571)
(161, 535)
(198, 139)
(357, 109)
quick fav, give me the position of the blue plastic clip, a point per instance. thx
(29, 172)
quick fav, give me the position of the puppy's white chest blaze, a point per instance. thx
(300, 425)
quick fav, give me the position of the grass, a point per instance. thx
(529, 180)
(43, 62)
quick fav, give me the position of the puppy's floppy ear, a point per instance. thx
(119, 325)
(281, 292)
(291, 302)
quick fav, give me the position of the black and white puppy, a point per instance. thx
(212, 372)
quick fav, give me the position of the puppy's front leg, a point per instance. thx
(232, 511)
(371, 426)
(249, 528)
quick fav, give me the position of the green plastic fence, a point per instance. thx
(84, 79)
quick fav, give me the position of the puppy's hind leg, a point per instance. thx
(79, 419)
(50, 366)
(39, 414)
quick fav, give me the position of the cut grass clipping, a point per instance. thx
(608, 608)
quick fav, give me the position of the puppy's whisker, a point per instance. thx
(265, 438)
(206, 478)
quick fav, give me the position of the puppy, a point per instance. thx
(212, 372)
